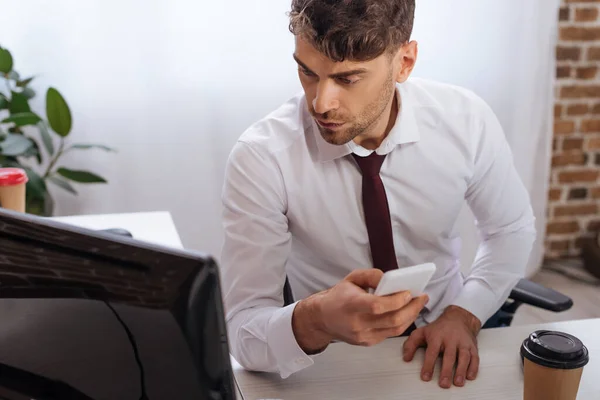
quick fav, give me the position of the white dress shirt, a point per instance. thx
(293, 205)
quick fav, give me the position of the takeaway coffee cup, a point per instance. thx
(552, 365)
(12, 188)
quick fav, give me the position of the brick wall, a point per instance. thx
(574, 196)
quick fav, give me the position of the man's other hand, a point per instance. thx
(347, 312)
(454, 336)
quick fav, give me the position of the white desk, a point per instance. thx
(353, 373)
(156, 227)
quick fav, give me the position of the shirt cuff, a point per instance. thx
(283, 345)
(477, 299)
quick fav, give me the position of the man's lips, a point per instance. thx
(329, 124)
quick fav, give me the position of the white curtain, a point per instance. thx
(172, 83)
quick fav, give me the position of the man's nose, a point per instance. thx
(326, 99)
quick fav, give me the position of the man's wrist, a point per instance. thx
(307, 326)
(470, 320)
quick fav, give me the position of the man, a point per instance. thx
(367, 171)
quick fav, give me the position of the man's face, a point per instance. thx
(349, 100)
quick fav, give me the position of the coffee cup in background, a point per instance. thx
(12, 188)
(552, 365)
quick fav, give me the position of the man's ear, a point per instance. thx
(406, 58)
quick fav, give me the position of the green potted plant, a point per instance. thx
(22, 130)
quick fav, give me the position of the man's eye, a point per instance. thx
(307, 73)
(347, 81)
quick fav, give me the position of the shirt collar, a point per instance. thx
(405, 130)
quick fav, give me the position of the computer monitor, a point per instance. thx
(45, 259)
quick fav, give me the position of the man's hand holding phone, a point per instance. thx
(349, 313)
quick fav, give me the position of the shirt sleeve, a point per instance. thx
(504, 217)
(255, 251)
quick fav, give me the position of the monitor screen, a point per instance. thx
(93, 315)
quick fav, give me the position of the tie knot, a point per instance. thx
(370, 165)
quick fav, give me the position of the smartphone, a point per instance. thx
(413, 279)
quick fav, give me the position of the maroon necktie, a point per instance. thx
(377, 212)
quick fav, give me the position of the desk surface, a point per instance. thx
(352, 372)
(156, 226)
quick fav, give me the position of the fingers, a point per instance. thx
(447, 366)
(431, 356)
(414, 341)
(384, 307)
(464, 359)
(473, 365)
(385, 333)
(402, 316)
(365, 278)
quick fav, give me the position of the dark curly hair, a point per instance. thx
(355, 30)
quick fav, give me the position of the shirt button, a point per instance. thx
(300, 361)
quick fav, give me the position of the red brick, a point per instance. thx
(593, 226)
(564, 127)
(562, 227)
(593, 144)
(596, 109)
(554, 194)
(572, 144)
(586, 72)
(578, 109)
(563, 72)
(568, 53)
(557, 110)
(572, 158)
(576, 210)
(583, 175)
(595, 192)
(561, 245)
(580, 33)
(564, 14)
(580, 91)
(578, 194)
(586, 14)
(590, 126)
(582, 1)
(593, 54)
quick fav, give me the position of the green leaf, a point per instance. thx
(34, 151)
(62, 183)
(18, 103)
(15, 145)
(46, 138)
(9, 162)
(6, 61)
(80, 176)
(22, 119)
(29, 93)
(24, 82)
(92, 146)
(14, 75)
(36, 187)
(3, 102)
(57, 110)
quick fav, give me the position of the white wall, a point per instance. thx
(173, 83)
(170, 84)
